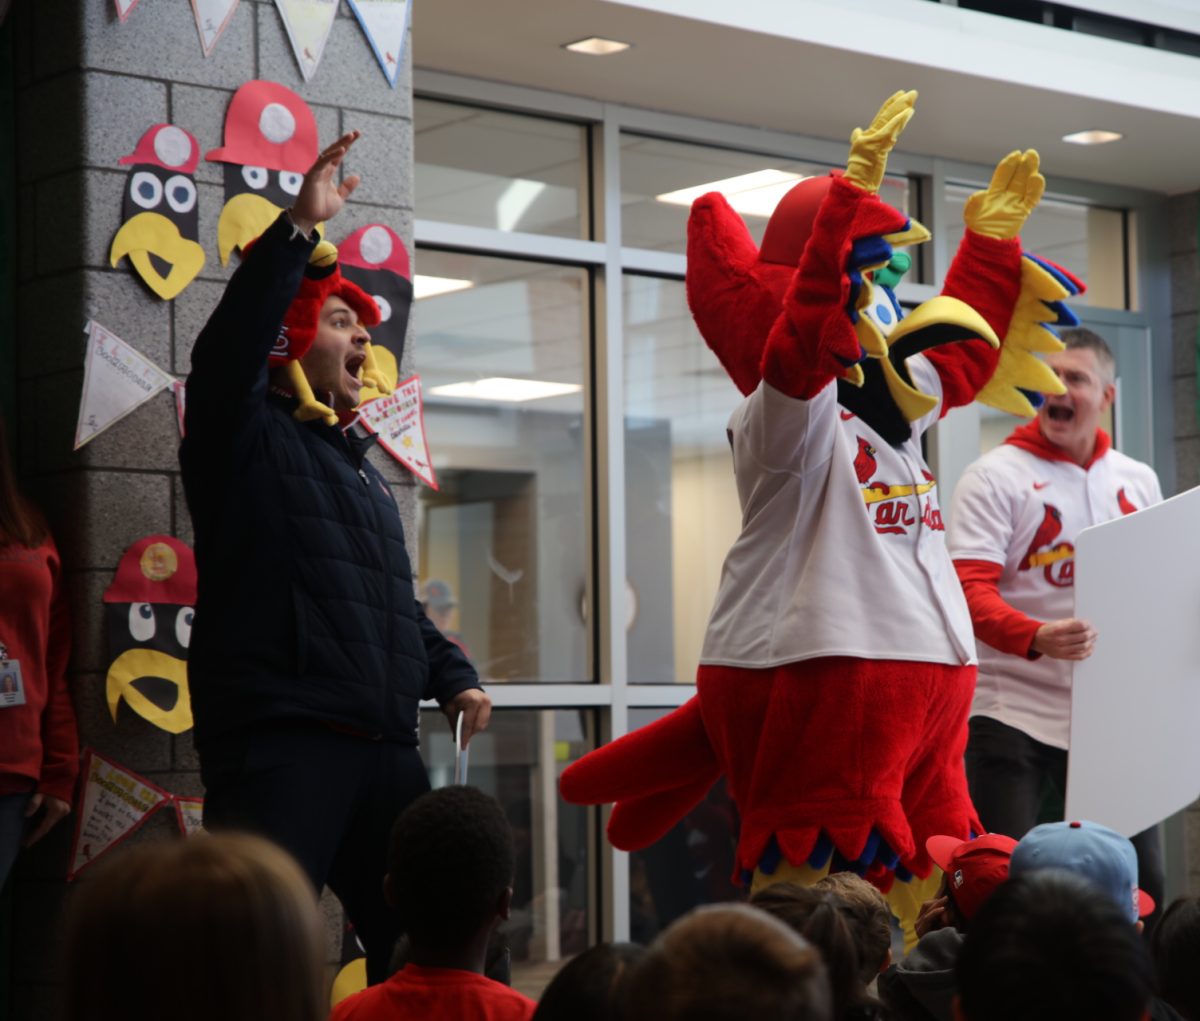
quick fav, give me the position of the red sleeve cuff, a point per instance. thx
(995, 621)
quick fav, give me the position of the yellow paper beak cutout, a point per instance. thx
(134, 664)
(153, 234)
(350, 980)
(243, 218)
(379, 374)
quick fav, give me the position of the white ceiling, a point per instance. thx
(820, 67)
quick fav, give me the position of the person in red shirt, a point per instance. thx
(39, 746)
(449, 880)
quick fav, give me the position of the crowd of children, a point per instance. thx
(226, 926)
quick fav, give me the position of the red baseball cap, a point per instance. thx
(974, 868)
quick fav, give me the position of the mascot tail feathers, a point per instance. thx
(733, 296)
(656, 775)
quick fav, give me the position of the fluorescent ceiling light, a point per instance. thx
(596, 46)
(500, 388)
(1093, 137)
(429, 287)
(755, 194)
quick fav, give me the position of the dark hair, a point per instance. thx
(234, 905)
(1079, 338)
(1047, 947)
(591, 987)
(869, 916)
(451, 859)
(1176, 948)
(20, 520)
(727, 962)
(817, 916)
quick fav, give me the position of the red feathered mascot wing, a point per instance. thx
(839, 662)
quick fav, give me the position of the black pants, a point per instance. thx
(327, 798)
(1017, 782)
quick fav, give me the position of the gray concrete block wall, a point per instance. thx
(87, 88)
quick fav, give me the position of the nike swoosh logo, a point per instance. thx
(1040, 485)
(847, 415)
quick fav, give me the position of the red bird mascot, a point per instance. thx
(839, 661)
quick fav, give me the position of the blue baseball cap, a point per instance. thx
(1101, 856)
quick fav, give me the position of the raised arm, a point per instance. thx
(229, 362)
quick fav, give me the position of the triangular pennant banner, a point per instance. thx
(116, 380)
(384, 23)
(189, 813)
(399, 422)
(179, 389)
(212, 18)
(308, 24)
(125, 8)
(116, 802)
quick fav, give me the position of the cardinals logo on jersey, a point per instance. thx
(1056, 559)
(1127, 506)
(864, 461)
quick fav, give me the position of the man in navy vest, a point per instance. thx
(309, 652)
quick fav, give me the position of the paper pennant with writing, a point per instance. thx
(115, 804)
(384, 22)
(116, 380)
(399, 422)
(125, 8)
(189, 813)
(308, 24)
(179, 391)
(212, 18)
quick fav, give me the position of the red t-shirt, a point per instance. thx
(433, 994)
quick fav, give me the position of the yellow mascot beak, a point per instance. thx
(135, 664)
(150, 234)
(941, 320)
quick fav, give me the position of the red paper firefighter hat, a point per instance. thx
(268, 125)
(375, 246)
(156, 569)
(791, 223)
(322, 280)
(166, 146)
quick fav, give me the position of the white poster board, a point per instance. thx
(1135, 706)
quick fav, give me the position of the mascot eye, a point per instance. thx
(181, 194)
(385, 308)
(256, 177)
(183, 625)
(145, 189)
(290, 181)
(141, 621)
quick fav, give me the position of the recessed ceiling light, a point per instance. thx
(500, 388)
(1093, 137)
(755, 194)
(597, 46)
(430, 287)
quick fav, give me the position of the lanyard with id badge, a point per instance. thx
(12, 685)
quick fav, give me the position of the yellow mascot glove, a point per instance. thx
(869, 148)
(1001, 210)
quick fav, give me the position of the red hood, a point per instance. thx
(1029, 437)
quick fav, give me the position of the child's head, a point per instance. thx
(973, 869)
(728, 962)
(236, 907)
(592, 986)
(870, 919)
(817, 916)
(1049, 946)
(1176, 947)
(450, 868)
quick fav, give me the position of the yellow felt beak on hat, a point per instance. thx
(134, 665)
(148, 234)
(379, 373)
